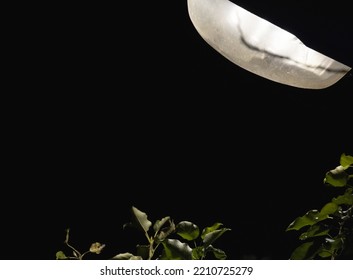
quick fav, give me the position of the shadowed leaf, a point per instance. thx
(198, 253)
(218, 253)
(313, 216)
(165, 232)
(187, 230)
(207, 230)
(126, 256)
(159, 223)
(330, 247)
(176, 250)
(310, 218)
(337, 177)
(213, 236)
(143, 251)
(315, 230)
(346, 199)
(305, 251)
(139, 220)
(328, 209)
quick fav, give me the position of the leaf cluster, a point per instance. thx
(328, 233)
(165, 241)
(169, 241)
(95, 248)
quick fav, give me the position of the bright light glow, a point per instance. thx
(261, 47)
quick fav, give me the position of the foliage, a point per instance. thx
(95, 248)
(324, 234)
(166, 240)
(329, 231)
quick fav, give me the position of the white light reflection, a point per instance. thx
(261, 47)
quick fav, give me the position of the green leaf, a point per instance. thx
(324, 254)
(303, 252)
(315, 230)
(164, 232)
(176, 250)
(328, 209)
(213, 236)
(207, 230)
(159, 223)
(337, 177)
(198, 253)
(60, 255)
(126, 256)
(330, 247)
(310, 218)
(334, 243)
(139, 220)
(346, 199)
(218, 253)
(187, 230)
(346, 160)
(96, 248)
(313, 216)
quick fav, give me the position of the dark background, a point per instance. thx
(126, 105)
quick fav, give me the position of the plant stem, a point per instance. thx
(76, 251)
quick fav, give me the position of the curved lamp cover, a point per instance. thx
(261, 47)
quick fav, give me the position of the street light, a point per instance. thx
(261, 47)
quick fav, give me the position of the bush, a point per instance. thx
(165, 241)
(329, 231)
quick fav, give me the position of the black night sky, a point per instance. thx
(129, 106)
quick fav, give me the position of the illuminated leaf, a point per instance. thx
(187, 230)
(60, 255)
(337, 177)
(346, 160)
(207, 230)
(213, 236)
(176, 250)
(139, 220)
(310, 218)
(126, 256)
(346, 199)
